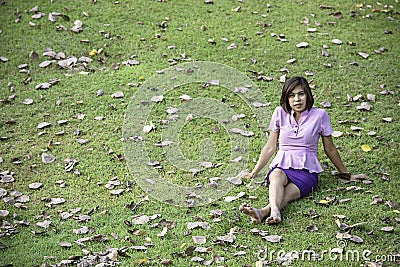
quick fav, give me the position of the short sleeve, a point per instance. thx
(275, 123)
(326, 127)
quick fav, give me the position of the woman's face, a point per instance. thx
(298, 99)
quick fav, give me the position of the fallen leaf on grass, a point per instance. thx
(363, 55)
(364, 106)
(27, 101)
(232, 198)
(53, 201)
(387, 229)
(193, 225)
(302, 45)
(48, 158)
(35, 185)
(366, 148)
(199, 239)
(273, 238)
(337, 41)
(337, 133)
(43, 125)
(163, 232)
(229, 238)
(157, 98)
(237, 180)
(4, 213)
(45, 224)
(387, 119)
(356, 239)
(242, 132)
(118, 95)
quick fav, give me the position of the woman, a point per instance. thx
(294, 170)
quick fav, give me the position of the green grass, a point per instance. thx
(133, 30)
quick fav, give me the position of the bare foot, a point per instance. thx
(256, 215)
(275, 217)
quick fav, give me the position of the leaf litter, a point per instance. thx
(111, 254)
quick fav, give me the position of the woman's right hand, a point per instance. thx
(246, 174)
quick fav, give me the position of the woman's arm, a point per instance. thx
(266, 153)
(333, 154)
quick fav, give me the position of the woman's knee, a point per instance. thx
(278, 176)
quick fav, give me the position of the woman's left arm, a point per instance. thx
(333, 154)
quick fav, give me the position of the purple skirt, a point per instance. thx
(304, 180)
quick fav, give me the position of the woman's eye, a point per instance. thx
(291, 95)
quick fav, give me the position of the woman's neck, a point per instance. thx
(297, 116)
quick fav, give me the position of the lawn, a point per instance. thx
(124, 125)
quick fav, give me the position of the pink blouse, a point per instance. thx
(298, 142)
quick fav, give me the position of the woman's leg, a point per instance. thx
(277, 182)
(291, 192)
(280, 194)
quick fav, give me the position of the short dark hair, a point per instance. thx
(288, 87)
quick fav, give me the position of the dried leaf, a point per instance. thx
(149, 128)
(229, 238)
(48, 158)
(337, 133)
(157, 98)
(28, 101)
(65, 244)
(172, 110)
(273, 238)
(291, 61)
(387, 229)
(364, 106)
(117, 95)
(363, 55)
(337, 41)
(44, 224)
(43, 125)
(117, 192)
(35, 185)
(141, 219)
(355, 128)
(193, 225)
(184, 98)
(237, 180)
(302, 45)
(199, 239)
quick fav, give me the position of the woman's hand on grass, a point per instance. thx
(246, 174)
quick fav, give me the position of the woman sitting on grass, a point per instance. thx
(294, 170)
